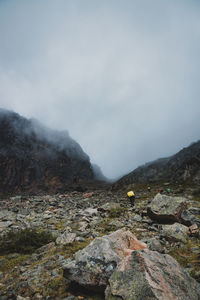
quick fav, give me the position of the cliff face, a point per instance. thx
(34, 158)
(183, 166)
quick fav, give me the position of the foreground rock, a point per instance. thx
(92, 266)
(166, 209)
(150, 275)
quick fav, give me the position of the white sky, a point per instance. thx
(122, 76)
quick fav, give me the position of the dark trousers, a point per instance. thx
(132, 200)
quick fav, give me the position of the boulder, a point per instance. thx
(194, 210)
(109, 206)
(93, 265)
(6, 215)
(90, 211)
(150, 275)
(166, 209)
(66, 238)
(175, 232)
(188, 219)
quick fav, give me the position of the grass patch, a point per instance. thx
(60, 225)
(105, 228)
(72, 248)
(56, 287)
(11, 263)
(185, 255)
(24, 241)
(117, 212)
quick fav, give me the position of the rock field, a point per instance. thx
(79, 220)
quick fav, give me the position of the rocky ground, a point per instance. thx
(75, 219)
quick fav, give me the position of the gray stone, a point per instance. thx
(109, 206)
(6, 215)
(90, 211)
(154, 245)
(188, 219)
(5, 224)
(66, 238)
(16, 198)
(194, 210)
(137, 218)
(176, 232)
(116, 223)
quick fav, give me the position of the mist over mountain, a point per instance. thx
(184, 166)
(35, 158)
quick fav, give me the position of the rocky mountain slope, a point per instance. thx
(181, 167)
(34, 158)
(101, 249)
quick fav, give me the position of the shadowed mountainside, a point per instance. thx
(34, 158)
(181, 167)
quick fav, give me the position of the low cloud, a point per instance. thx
(120, 76)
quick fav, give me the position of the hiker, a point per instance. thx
(131, 196)
(160, 190)
(149, 189)
(168, 190)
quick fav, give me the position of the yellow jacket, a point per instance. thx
(130, 194)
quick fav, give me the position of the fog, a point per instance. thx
(122, 77)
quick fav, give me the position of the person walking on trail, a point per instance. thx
(160, 190)
(149, 189)
(131, 196)
(168, 191)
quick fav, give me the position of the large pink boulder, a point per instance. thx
(92, 266)
(150, 275)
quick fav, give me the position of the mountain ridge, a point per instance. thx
(180, 167)
(34, 158)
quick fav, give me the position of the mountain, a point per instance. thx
(34, 158)
(98, 173)
(181, 167)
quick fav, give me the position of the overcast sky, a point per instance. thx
(122, 76)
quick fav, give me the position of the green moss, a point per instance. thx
(56, 287)
(117, 212)
(185, 255)
(24, 241)
(105, 228)
(74, 226)
(11, 263)
(60, 225)
(72, 248)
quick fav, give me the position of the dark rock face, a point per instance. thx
(34, 158)
(183, 166)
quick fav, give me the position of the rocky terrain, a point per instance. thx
(67, 234)
(100, 248)
(36, 159)
(181, 167)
